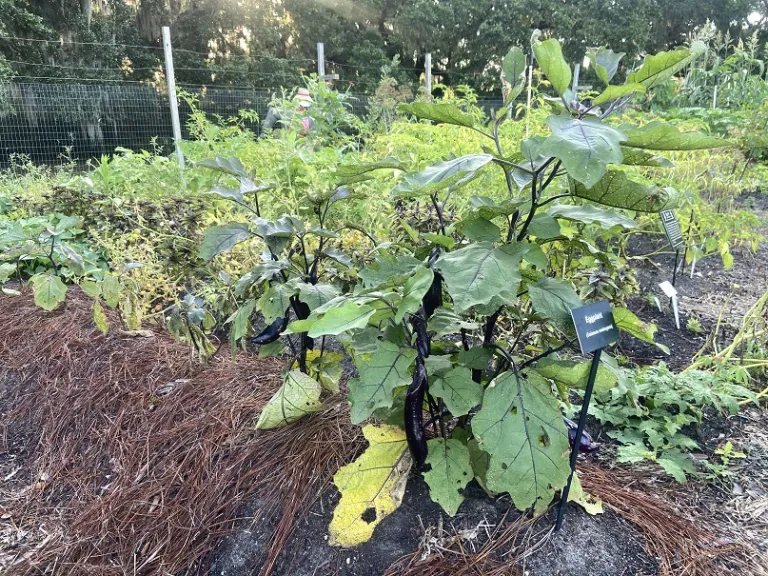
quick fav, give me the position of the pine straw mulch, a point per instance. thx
(144, 459)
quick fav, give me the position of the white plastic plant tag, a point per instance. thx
(676, 311)
(668, 289)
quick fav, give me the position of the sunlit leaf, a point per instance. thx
(297, 397)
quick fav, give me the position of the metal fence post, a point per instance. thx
(172, 94)
(428, 72)
(320, 60)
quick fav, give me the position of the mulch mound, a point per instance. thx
(145, 455)
(143, 458)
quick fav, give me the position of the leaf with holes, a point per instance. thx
(520, 425)
(371, 487)
(297, 397)
(618, 190)
(481, 273)
(380, 374)
(585, 146)
(457, 389)
(450, 472)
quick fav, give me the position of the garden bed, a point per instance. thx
(156, 457)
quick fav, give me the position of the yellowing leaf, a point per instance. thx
(99, 318)
(298, 396)
(49, 290)
(371, 487)
(592, 504)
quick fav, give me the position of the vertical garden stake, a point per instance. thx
(596, 329)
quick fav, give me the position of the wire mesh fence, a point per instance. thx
(57, 123)
(64, 122)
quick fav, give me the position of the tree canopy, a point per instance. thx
(269, 44)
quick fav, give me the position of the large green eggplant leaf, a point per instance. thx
(544, 227)
(450, 471)
(218, 239)
(615, 92)
(585, 146)
(380, 374)
(549, 55)
(606, 63)
(388, 269)
(457, 389)
(298, 396)
(231, 166)
(574, 374)
(520, 425)
(453, 173)
(554, 299)
(49, 290)
(638, 157)
(661, 136)
(617, 190)
(275, 301)
(442, 112)
(480, 230)
(414, 290)
(657, 68)
(479, 273)
(587, 214)
(348, 316)
(315, 295)
(513, 68)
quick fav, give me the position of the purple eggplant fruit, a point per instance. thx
(271, 332)
(587, 445)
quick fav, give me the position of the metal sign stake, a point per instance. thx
(579, 432)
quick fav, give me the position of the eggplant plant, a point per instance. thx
(459, 334)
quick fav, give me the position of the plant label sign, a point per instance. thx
(595, 326)
(671, 293)
(672, 229)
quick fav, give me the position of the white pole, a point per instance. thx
(576, 74)
(428, 72)
(172, 94)
(320, 60)
(528, 100)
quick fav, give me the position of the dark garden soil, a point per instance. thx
(711, 294)
(119, 455)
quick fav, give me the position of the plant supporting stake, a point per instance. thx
(579, 432)
(677, 260)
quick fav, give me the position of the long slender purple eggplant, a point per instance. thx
(271, 332)
(587, 445)
(414, 414)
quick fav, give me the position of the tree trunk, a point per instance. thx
(86, 7)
